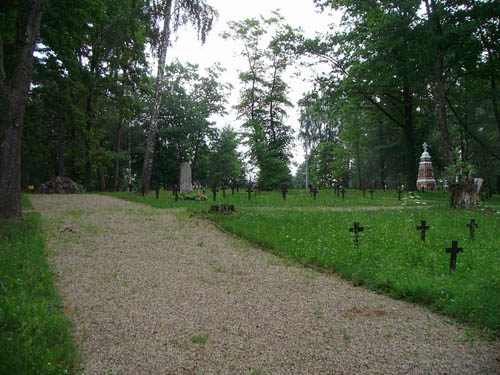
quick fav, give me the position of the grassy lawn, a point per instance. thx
(294, 198)
(390, 257)
(34, 333)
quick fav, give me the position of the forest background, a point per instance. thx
(100, 105)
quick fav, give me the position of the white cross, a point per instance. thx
(425, 146)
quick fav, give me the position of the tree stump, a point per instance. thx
(465, 193)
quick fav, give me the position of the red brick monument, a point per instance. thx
(425, 172)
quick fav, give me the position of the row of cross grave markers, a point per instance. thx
(423, 227)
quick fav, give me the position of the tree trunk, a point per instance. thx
(13, 96)
(153, 129)
(117, 150)
(60, 151)
(465, 193)
(102, 181)
(411, 159)
(440, 85)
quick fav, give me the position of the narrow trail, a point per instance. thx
(151, 292)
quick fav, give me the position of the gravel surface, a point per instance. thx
(151, 292)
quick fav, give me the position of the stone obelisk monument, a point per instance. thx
(185, 182)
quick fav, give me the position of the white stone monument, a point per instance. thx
(185, 181)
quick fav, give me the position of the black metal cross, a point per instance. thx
(356, 229)
(249, 191)
(284, 190)
(399, 193)
(472, 225)
(157, 188)
(453, 251)
(371, 193)
(143, 189)
(343, 193)
(175, 191)
(223, 188)
(314, 191)
(232, 188)
(423, 228)
(214, 191)
(337, 189)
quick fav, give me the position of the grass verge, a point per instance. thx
(34, 333)
(391, 256)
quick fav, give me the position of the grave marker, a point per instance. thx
(314, 191)
(175, 191)
(143, 189)
(214, 191)
(423, 228)
(453, 251)
(343, 193)
(356, 229)
(284, 190)
(157, 189)
(249, 191)
(399, 193)
(472, 225)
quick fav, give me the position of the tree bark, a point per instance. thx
(153, 129)
(60, 150)
(13, 96)
(117, 150)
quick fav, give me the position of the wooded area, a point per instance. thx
(400, 73)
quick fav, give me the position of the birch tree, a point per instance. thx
(174, 13)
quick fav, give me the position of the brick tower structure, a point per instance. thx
(425, 172)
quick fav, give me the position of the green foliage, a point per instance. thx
(264, 101)
(34, 333)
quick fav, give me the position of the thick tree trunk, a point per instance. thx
(411, 159)
(440, 85)
(13, 95)
(153, 129)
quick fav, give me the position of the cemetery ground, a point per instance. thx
(154, 290)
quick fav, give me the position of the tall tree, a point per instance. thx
(18, 36)
(264, 100)
(175, 13)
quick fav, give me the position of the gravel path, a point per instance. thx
(151, 292)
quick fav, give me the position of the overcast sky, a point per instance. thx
(297, 13)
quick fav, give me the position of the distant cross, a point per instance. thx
(143, 190)
(423, 228)
(399, 193)
(371, 193)
(343, 193)
(453, 251)
(472, 225)
(284, 190)
(232, 189)
(356, 229)
(176, 192)
(364, 192)
(214, 191)
(157, 188)
(314, 191)
(249, 191)
(223, 188)
(237, 188)
(425, 146)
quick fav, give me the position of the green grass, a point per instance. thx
(34, 333)
(295, 198)
(391, 256)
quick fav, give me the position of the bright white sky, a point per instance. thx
(297, 13)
